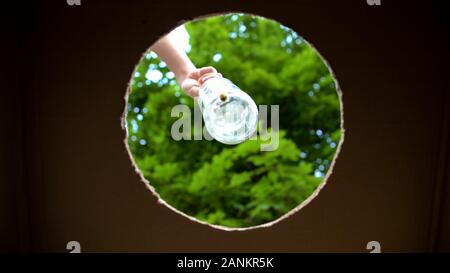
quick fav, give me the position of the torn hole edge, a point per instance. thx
(288, 214)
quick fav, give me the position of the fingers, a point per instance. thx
(196, 78)
(208, 76)
(206, 70)
(193, 91)
(190, 86)
(197, 73)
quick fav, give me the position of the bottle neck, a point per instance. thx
(212, 89)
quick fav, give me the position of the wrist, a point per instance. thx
(184, 72)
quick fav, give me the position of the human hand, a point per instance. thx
(191, 84)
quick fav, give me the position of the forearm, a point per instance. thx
(175, 58)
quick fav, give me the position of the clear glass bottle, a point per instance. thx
(229, 113)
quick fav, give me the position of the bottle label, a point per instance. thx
(211, 90)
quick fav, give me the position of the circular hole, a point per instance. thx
(263, 179)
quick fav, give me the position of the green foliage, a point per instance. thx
(238, 186)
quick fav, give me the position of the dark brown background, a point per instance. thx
(65, 173)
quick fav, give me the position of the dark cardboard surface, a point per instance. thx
(79, 185)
